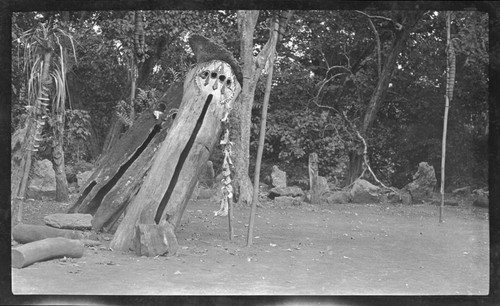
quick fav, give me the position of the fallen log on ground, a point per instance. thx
(26, 233)
(89, 242)
(46, 249)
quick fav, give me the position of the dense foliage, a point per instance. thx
(326, 70)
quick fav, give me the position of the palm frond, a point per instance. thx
(60, 91)
(34, 79)
(37, 41)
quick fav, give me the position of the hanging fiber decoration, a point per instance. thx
(227, 188)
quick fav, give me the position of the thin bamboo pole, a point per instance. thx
(230, 218)
(450, 82)
(443, 156)
(262, 136)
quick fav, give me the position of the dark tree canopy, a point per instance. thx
(326, 71)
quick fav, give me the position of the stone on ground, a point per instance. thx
(286, 200)
(338, 197)
(69, 221)
(364, 192)
(292, 191)
(391, 197)
(424, 182)
(323, 184)
(43, 180)
(405, 197)
(278, 177)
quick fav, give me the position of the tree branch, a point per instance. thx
(379, 56)
(398, 26)
(365, 159)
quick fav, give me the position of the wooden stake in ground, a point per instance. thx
(262, 136)
(46, 249)
(450, 83)
(229, 220)
(313, 178)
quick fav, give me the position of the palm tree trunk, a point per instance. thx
(32, 126)
(62, 193)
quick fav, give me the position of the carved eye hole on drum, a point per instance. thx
(203, 74)
(213, 75)
(222, 77)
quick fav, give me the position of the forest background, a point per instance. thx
(328, 66)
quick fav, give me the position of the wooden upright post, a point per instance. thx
(313, 179)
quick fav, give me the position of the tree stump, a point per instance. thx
(153, 240)
(210, 89)
(314, 188)
(46, 249)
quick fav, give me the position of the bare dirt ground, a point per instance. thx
(350, 249)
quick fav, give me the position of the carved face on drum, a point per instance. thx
(217, 78)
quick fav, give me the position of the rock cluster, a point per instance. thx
(423, 184)
(282, 194)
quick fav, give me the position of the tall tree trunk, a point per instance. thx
(145, 68)
(33, 127)
(355, 167)
(246, 26)
(133, 76)
(117, 127)
(58, 111)
(137, 57)
(355, 159)
(252, 69)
